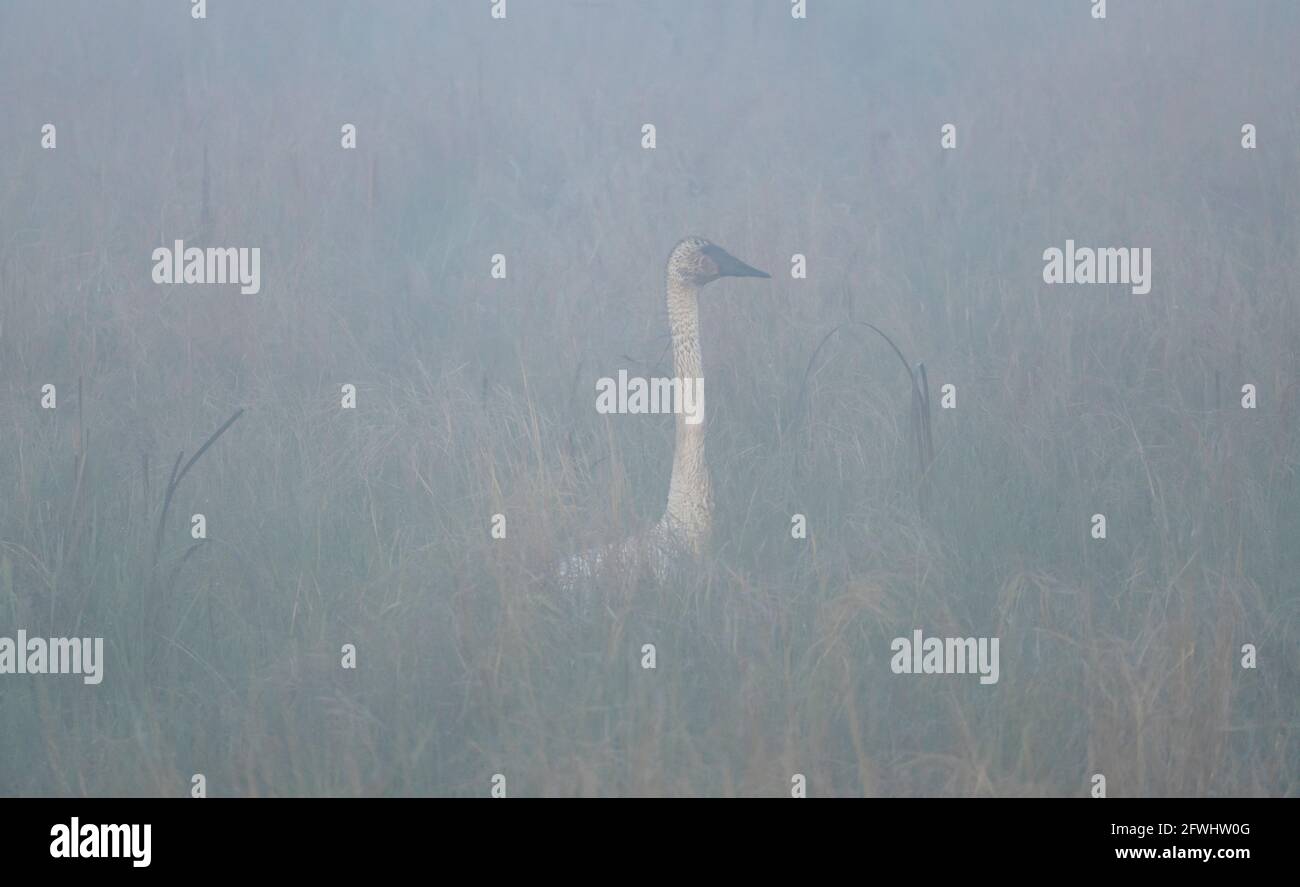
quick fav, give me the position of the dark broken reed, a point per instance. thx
(922, 431)
(177, 476)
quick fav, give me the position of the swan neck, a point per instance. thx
(690, 495)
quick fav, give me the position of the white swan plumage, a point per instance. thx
(682, 533)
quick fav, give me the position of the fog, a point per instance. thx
(462, 224)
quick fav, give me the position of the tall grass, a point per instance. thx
(475, 397)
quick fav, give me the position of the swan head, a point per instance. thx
(697, 261)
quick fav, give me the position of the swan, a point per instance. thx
(682, 533)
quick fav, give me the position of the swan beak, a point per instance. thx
(730, 266)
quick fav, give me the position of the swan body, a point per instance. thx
(683, 531)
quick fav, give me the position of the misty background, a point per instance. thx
(522, 136)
